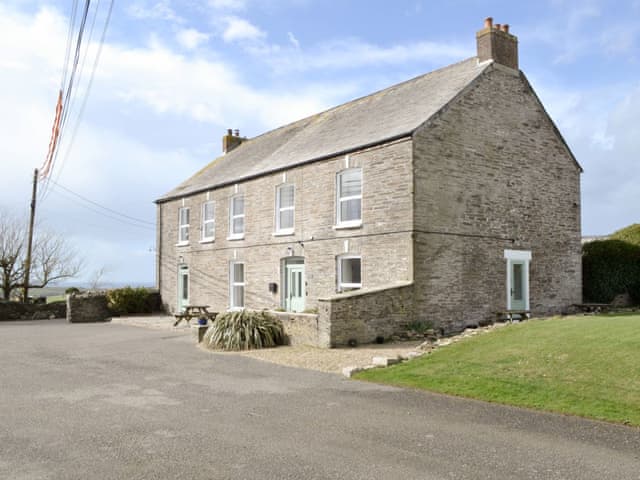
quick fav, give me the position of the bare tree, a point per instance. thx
(53, 257)
(12, 240)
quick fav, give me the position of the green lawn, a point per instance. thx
(586, 365)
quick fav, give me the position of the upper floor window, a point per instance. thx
(349, 272)
(236, 217)
(285, 208)
(183, 225)
(208, 221)
(349, 201)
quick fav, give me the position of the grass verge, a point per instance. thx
(586, 366)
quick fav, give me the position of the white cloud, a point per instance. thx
(354, 53)
(239, 29)
(191, 38)
(228, 4)
(160, 10)
(294, 41)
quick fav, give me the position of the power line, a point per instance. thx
(87, 91)
(124, 215)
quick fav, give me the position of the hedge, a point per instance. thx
(610, 268)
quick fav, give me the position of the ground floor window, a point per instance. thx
(349, 272)
(236, 285)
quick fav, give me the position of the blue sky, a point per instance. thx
(174, 75)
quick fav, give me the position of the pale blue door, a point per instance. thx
(295, 290)
(183, 287)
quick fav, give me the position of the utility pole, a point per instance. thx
(27, 263)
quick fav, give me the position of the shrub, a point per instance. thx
(72, 291)
(609, 268)
(630, 234)
(129, 300)
(244, 330)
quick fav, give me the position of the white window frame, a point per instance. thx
(279, 209)
(233, 215)
(348, 223)
(183, 228)
(347, 286)
(206, 222)
(233, 283)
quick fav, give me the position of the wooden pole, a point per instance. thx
(27, 262)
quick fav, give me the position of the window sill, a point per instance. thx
(235, 237)
(283, 233)
(207, 240)
(346, 226)
(182, 244)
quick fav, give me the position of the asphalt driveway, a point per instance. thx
(106, 401)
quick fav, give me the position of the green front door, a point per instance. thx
(519, 285)
(295, 290)
(183, 287)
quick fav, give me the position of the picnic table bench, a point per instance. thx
(194, 311)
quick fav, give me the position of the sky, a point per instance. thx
(174, 75)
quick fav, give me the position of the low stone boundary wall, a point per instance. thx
(87, 308)
(363, 315)
(32, 311)
(300, 328)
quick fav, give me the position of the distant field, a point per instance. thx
(583, 365)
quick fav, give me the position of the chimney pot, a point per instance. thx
(236, 132)
(229, 131)
(495, 43)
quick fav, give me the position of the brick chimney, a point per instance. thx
(497, 44)
(231, 140)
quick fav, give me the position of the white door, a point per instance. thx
(183, 287)
(517, 279)
(294, 285)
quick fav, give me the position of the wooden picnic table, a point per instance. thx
(194, 311)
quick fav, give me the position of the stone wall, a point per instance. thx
(21, 311)
(300, 328)
(363, 315)
(491, 174)
(87, 308)
(384, 239)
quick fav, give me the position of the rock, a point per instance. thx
(350, 371)
(412, 355)
(384, 361)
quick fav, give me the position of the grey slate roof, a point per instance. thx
(390, 113)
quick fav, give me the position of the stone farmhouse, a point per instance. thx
(439, 201)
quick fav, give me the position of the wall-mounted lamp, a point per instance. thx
(290, 251)
(180, 259)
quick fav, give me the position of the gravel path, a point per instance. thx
(331, 360)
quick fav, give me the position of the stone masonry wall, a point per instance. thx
(21, 311)
(363, 315)
(384, 239)
(300, 328)
(492, 174)
(87, 308)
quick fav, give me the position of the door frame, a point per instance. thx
(518, 256)
(285, 262)
(182, 268)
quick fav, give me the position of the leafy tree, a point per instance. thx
(52, 258)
